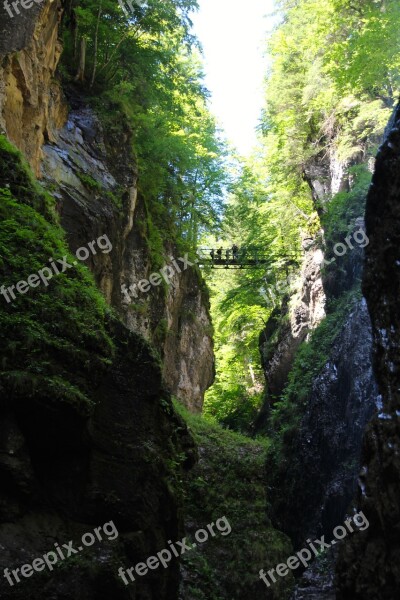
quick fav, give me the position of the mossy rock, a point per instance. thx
(52, 336)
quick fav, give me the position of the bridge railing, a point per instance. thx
(228, 257)
(242, 258)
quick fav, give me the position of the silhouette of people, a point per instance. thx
(219, 253)
(212, 254)
(235, 251)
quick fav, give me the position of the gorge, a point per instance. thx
(199, 402)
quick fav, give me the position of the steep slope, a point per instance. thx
(91, 170)
(92, 174)
(369, 567)
(83, 433)
(315, 457)
(320, 385)
(88, 434)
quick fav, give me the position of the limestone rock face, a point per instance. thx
(93, 176)
(64, 473)
(188, 347)
(31, 100)
(368, 567)
(313, 469)
(282, 337)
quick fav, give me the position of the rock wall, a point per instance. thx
(290, 324)
(315, 481)
(31, 100)
(315, 458)
(368, 567)
(92, 173)
(94, 178)
(64, 475)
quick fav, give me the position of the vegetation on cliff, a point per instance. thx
(53, 338)
(329, 93)
(143, 68)
(229, 480)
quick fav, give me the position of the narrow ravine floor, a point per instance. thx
(313, 593)
(316, 584)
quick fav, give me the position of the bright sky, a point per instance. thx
(233, 34)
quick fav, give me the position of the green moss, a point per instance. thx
(160, 331)
(229, 481)
(141, 308)
(119, 118)
(344, 207)
(155, 243)
(313, 225)
(343, 290)
(310, 359)
(313, 355)
(17, 177)
(53, 336)
(89, 182)
(95, 186)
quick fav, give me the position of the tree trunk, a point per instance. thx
(80, 76)
(96, 45)
(75, 41)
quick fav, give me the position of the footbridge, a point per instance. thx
(240, 258)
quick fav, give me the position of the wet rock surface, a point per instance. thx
(316, 482)
(317, 582)
(368, 566)
(63, 475)
(315, 592)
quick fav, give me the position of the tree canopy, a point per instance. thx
(329, 92)
(146, 64)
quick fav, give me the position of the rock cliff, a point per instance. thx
(92, 174)
(88, 433)
(291, 323)
(31, 99)
(368, 567)
(315, 476)
(323, 392)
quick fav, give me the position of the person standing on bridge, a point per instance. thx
(219, 253)
(235, 251)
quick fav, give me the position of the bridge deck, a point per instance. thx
(243, 259)
(225, 263)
